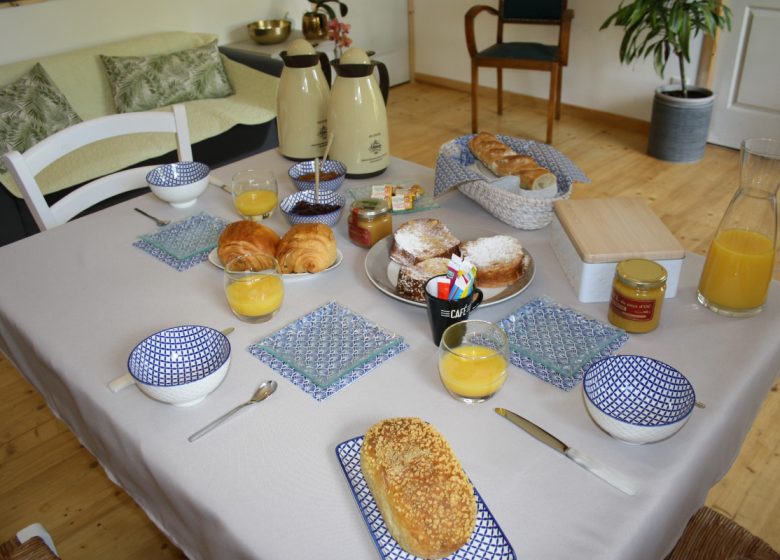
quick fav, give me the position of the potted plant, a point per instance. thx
(660, 29)
(315, 21)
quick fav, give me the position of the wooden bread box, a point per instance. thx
(591, 235)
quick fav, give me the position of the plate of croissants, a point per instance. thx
(304, 250)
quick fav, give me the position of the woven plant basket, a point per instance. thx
(455, 167)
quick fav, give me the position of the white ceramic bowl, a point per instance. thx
(637, 399)
(179, 184)
(325, 197)
(180, 365)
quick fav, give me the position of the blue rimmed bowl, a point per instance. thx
(302, 175)
(180, 365)
(637, 399)
(179, 184)
(327, 197)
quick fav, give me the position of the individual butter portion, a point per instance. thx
(398, 197)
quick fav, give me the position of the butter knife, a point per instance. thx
(605, 473)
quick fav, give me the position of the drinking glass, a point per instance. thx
(473, 357)
(255, 194)
(740, 261)
(253, 287)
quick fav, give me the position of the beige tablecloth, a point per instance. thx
(75, 300)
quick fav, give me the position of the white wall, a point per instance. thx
(594, 77)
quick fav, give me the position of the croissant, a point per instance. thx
(306, 248)
(246, 236)
(503, 160)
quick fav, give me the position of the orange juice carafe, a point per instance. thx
(740, 261)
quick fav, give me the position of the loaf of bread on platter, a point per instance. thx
(499, 259)
(425, 498)
(306, 248)
(421, 239)
(503, 160)
(412, 279)
(246, 236)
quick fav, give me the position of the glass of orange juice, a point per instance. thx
(255, 194)
(473, 357)
(740, 261)
(253, 287)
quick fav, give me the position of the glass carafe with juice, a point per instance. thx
(739, 264)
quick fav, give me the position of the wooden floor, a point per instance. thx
(46, 476)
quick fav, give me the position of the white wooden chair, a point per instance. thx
(24, 167)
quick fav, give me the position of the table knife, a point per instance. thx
(605, 473)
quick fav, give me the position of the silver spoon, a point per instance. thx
(263, 392)
(158, 221)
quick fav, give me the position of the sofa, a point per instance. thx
(222, 129)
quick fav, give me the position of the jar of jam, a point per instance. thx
(369, 221)
(637, 295)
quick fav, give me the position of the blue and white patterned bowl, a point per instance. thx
(637, 399)
(180, 365)
(180, 184)
(307, 167)
(326, 197)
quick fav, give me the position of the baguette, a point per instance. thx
(425, 498)
(503, 160)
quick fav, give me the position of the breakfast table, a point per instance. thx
(75, 300)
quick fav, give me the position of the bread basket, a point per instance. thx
(457, 167)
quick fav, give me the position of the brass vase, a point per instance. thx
(315, 26)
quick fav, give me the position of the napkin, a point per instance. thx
(327, 349)
(557, 344)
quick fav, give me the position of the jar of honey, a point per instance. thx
(369, 221)
(637, 295)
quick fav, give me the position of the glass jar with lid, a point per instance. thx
(369, 221)
(638, 291)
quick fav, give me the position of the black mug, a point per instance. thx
(443, 312)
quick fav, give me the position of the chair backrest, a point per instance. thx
(24, 167)
(531, 11)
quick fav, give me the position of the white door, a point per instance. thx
(382, 26)
(747, 75)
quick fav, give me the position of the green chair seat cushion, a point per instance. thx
(140, 83)
(528, 51)
(32, 108)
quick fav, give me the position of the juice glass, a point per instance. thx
(255, 194)
(740, 261)
(473, 357)
(253, 287)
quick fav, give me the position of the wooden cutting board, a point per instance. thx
(612, 229)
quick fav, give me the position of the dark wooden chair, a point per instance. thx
(522, 55)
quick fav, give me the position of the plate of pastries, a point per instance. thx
(400, 264)
(303, 251)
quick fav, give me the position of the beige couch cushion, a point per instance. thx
(81, 78)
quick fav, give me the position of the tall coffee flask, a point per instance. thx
(302, 102)
(740, 261)
(357, 117)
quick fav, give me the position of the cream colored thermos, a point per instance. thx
(357, 118)
(302, 102)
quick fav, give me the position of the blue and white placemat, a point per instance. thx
(488, 541)
(557, 344)
(455, 163)
(184, 243)
(327, 349)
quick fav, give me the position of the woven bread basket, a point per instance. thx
(455, 167)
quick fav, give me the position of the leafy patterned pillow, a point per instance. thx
(32, 108)
(139, 83)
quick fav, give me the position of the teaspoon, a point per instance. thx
(158, 221)
(263, 392)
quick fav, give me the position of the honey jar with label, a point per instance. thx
(369, 221)
(637, 295)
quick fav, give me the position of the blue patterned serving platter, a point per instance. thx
(328, 343)
(189, 237)
(557, 343)
(488, 541)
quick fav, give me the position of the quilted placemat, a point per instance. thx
(327, 349)
(557, 344)
(487, 542)
(184, 243)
